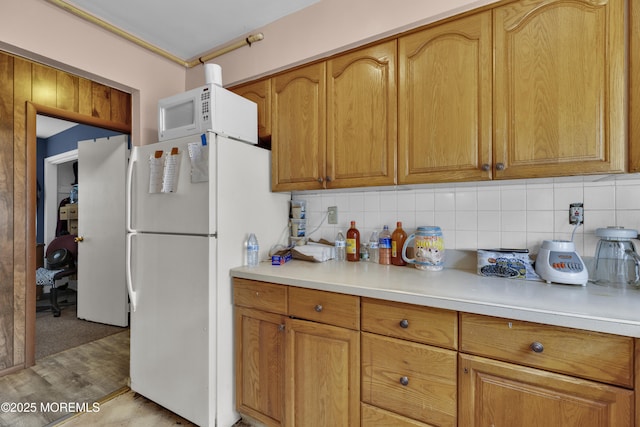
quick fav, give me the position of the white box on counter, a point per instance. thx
(509, 263)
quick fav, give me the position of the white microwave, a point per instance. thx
(208, 108)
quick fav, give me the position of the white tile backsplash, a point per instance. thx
(514, 214)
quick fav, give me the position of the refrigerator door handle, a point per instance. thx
(129, 192)
(132, 293)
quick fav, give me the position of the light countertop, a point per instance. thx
(591, 307)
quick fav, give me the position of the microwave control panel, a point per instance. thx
(205, 98)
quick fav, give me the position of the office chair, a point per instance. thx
(60, 262)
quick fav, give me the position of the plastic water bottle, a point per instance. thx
(252, 250)
(373, 247)
(384, 246)
(341, 245)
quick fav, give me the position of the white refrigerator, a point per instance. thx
(181, 243)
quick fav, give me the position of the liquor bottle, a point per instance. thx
(353, 243)
(397, 241)
(384, 246)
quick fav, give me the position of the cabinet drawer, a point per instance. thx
(372, 416)
(64, 212)
(411, 322)
(409, 378)
(72, 211)
(592, 355)
(261, 295)
(325, 307)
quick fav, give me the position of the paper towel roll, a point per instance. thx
(213, 74)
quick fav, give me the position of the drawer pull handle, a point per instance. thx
(404, 381)
(537, 347)
(318, 308)
(404, 323)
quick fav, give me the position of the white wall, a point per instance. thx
(325, 28)
(45, 33)
(513, 214)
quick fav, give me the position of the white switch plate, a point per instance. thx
(333, 215)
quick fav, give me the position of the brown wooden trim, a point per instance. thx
(636, 385)
(11, 370)
(30, 297)
(634, 88)
(81, 118)
(33, 110)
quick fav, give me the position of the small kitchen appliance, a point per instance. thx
(616, 261)
(558, 262)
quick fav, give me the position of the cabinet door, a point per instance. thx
(559, 88)
(445, 102)
(323, 375)
(634, 87)
(260, 93)
(361, 117)
(259, 365)
(299, 129)
(502, 394)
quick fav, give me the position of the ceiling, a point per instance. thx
(189, 28)
(186, 29)
(46, 127)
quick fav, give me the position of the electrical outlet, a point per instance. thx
(576, 213)
(333, 215)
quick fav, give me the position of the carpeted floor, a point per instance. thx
(56, 334)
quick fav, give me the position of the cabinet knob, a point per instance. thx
(318, 308)
(320, 179)
(328, 179)
(537, 347)
(404, 381)
(281, 328)
(404, 323)
(486, 167)
(500, 166)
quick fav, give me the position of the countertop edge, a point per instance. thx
(458, 302)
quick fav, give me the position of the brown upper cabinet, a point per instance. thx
(444, 102)
(260, 93)
(362, 118)
(525, 89)
(334, 122)
(299, 127)
(559, 95)
(634, 87)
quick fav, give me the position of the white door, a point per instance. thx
(102, 290)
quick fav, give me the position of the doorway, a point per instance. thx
(33, 110)
(57, 174)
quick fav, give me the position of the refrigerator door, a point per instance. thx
(186, 210)
(246, 205)
(170, 326)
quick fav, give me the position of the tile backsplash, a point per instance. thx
(507, 214)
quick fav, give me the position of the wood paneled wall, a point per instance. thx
(57, 93)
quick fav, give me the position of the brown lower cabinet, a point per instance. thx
(504, 394)
(296, 364)
(314, 358)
